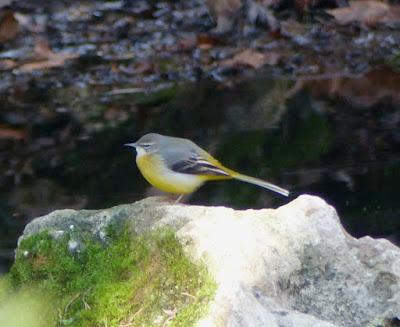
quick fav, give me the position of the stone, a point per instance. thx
(291, 266)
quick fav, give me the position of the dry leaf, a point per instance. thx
(145, 67)
(206, 42)
(186, 44)
(252, 58)
(11, 133)
(7, 64)
(9, 26)
(47, 58)
(292, 28)
(367, 12)
(42, 49)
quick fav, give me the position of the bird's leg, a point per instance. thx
(179, 198)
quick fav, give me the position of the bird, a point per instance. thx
(179, 166)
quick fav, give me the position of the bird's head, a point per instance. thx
(147, 144)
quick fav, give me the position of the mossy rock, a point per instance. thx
(131, 280)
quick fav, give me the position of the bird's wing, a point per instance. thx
(195, 164)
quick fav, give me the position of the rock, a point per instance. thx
(293, 266)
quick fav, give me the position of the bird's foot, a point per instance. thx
(179, 198)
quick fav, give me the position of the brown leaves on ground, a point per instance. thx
(9, 26)
(46, 58)
(43, 58)
(7, 64)
(252, 58)
(206, 42)
(11, 133)
(367, 12)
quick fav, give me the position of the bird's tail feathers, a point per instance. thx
(260, 182)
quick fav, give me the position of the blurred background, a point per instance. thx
(317, 115)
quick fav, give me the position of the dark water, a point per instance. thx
(338, 139)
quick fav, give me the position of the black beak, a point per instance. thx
(133, 145)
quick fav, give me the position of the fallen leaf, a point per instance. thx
(206, 42)
(185, 44)
(47, 58)
(11, 133)
(292, 28)
(368, 12)
(42, 49)
(145, 67)
(9, 26)
(252, 58)
(7, 64)
(56, 61)
(115, 68)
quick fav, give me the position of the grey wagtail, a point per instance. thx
(177, 165)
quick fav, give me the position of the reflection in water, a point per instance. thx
(320, 137)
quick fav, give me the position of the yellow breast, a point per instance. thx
(157, 174)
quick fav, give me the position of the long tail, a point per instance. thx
(260, 182)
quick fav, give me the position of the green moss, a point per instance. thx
(135, 280)
(3, 289)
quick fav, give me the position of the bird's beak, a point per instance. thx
(133, 145)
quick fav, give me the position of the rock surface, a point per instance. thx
(292, 266)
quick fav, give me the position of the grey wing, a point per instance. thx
(190, 161)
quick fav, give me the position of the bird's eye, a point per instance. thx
(146, 145)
